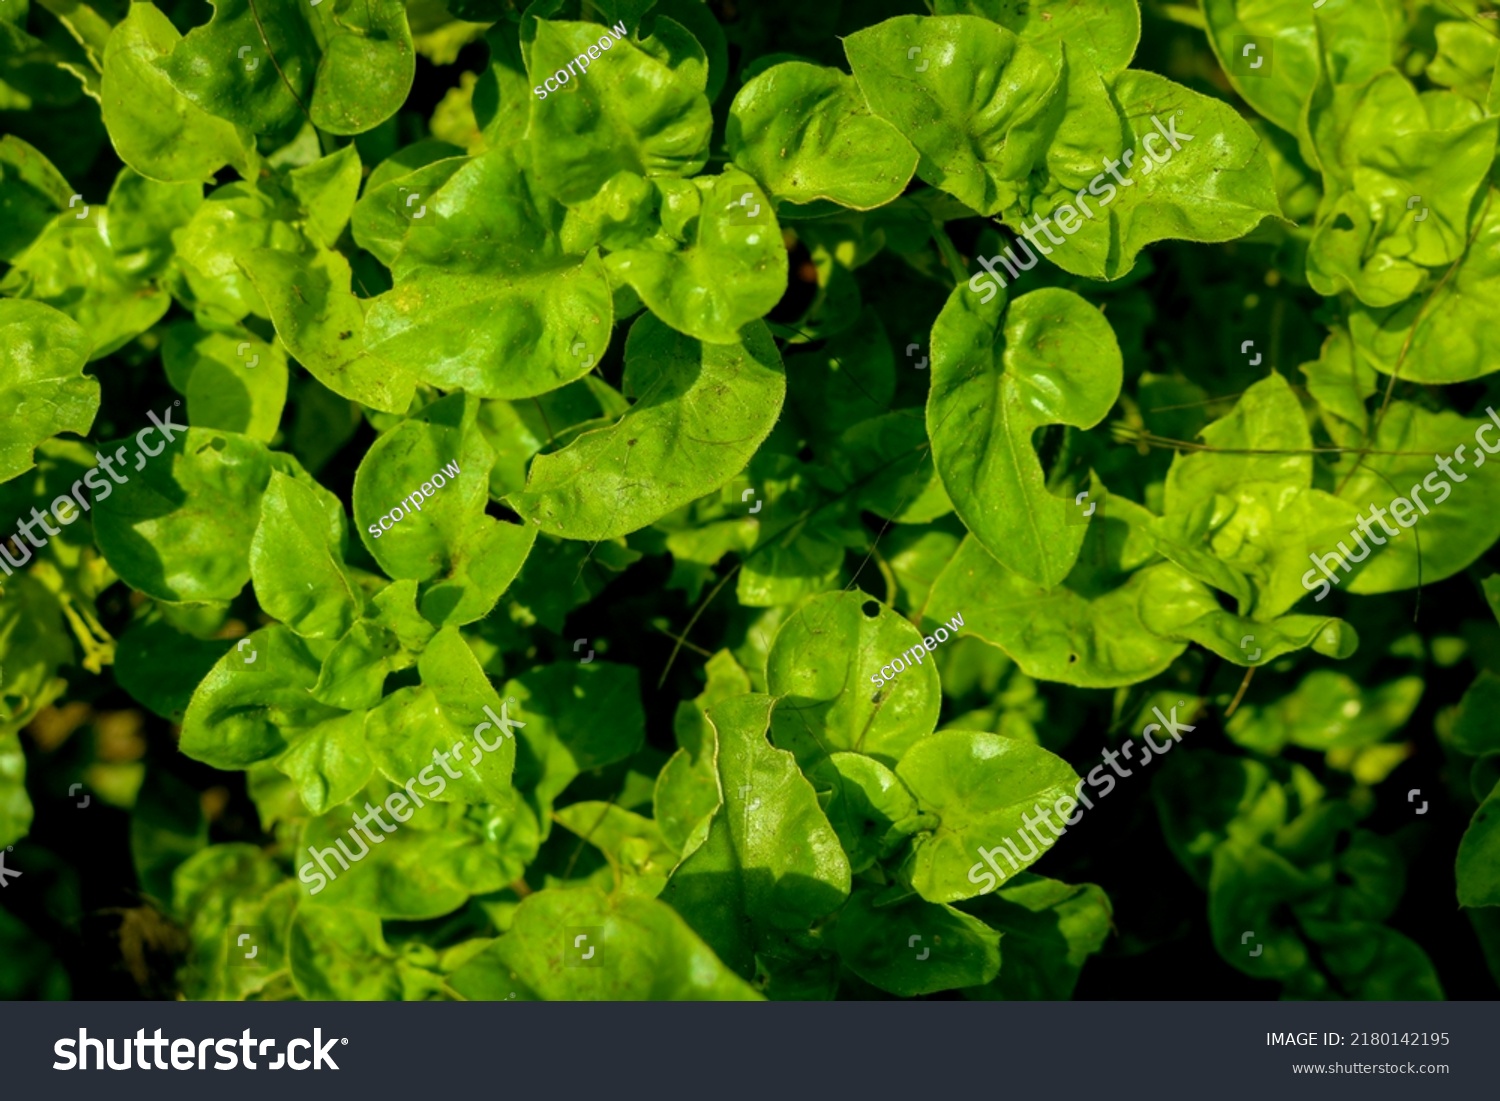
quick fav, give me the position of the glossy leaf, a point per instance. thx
(486, 296)
(730, 270)
(631, 109)
(347, 68)
(643, 950)
(806, 133)
(1050, 358)
(700, 412)
(748, 895)
(827, 668)
(297, 562)
(179, 526)
(914, 947)
(980, 787)
(419, 500)
(975, 101)
(43, 389)
(155, 128)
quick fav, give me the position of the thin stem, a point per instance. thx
(1238, 696)
(951, 258)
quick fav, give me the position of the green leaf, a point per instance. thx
(633, 844)
(981, 787)
(868, 807)
(1290, 40)
(912, 948)
(1474, 730)
(15, 804)
(225, 229)
(998, 376)
(387, 210)
(1441, 337)
(348, 68)
(427, 867)
(1246, 499)
(701, 411)
(1373, 963)
(687, 788)
(486, 297)
(805, 132)
(1107, 33)
(1478, 867)
(161, 666)
(1465, 59)
(297, 561)
(638, 950)
(254, 694)
(166, 828)
(32, 193)
(975, 101)
(341, 955)
(730, 270)
(353, 674)
(827, 669)
(141, 217)
(1210, 180)
(632, 109)
(1327, 710)
(328, 762)
(43, 390)
(415, 730)
(1451, 536)
(752, 897)
(323, 325)
(1382, 144)
(1049, 928)
(72, 267)
(221, 887)
(563, 736)
(327, 189)
(236, 382)
(419, 500)
(180, 526)
(154, 128)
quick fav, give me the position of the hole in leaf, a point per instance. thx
(871, 608)
(498, 511)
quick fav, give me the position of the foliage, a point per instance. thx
(681, 363)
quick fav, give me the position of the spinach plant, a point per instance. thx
(694, 343)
